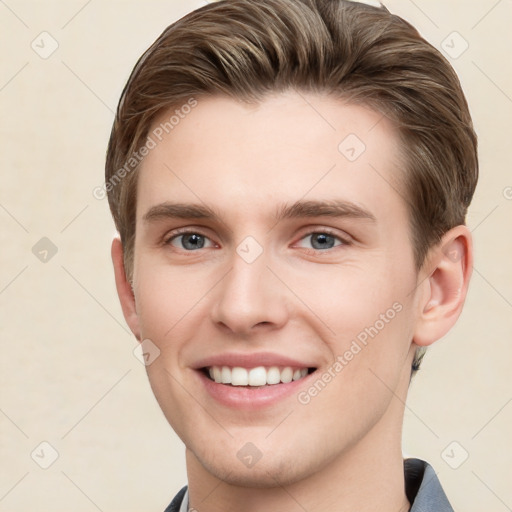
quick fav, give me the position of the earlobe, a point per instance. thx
(450, 263)
(124, 289)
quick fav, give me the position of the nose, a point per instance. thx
(250, 298)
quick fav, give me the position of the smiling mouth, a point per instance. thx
(255, 377)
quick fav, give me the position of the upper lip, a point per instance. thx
(267, 359)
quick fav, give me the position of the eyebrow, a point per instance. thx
(299, 209)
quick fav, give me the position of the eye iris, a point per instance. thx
(322, 241)
(193, 241)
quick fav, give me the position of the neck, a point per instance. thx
(367, 477)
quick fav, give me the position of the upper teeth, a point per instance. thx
(258, 376)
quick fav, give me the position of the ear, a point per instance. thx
(450, 264)
(124, 289)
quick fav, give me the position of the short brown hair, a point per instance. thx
(246, 49)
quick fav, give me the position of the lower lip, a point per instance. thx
(241, 397)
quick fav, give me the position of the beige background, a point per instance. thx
(68, 374)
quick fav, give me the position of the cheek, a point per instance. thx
(369, 353)
(170, 308)
(350, 298)
(166, 297)
(369, 319)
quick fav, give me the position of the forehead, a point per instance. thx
(246, 159)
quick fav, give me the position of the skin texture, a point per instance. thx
(341, 450)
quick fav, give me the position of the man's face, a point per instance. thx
(304, 270)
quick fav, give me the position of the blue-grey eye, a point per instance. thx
(319, 241)
(189, 241)
(322, 241)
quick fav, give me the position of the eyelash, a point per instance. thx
(324, 231)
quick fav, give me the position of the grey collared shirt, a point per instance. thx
(422, 488)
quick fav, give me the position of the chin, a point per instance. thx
(268, 472)
(262, 477)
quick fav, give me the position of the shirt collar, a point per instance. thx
(423, 488)
(184, 503)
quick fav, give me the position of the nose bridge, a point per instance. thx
(249, 295)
